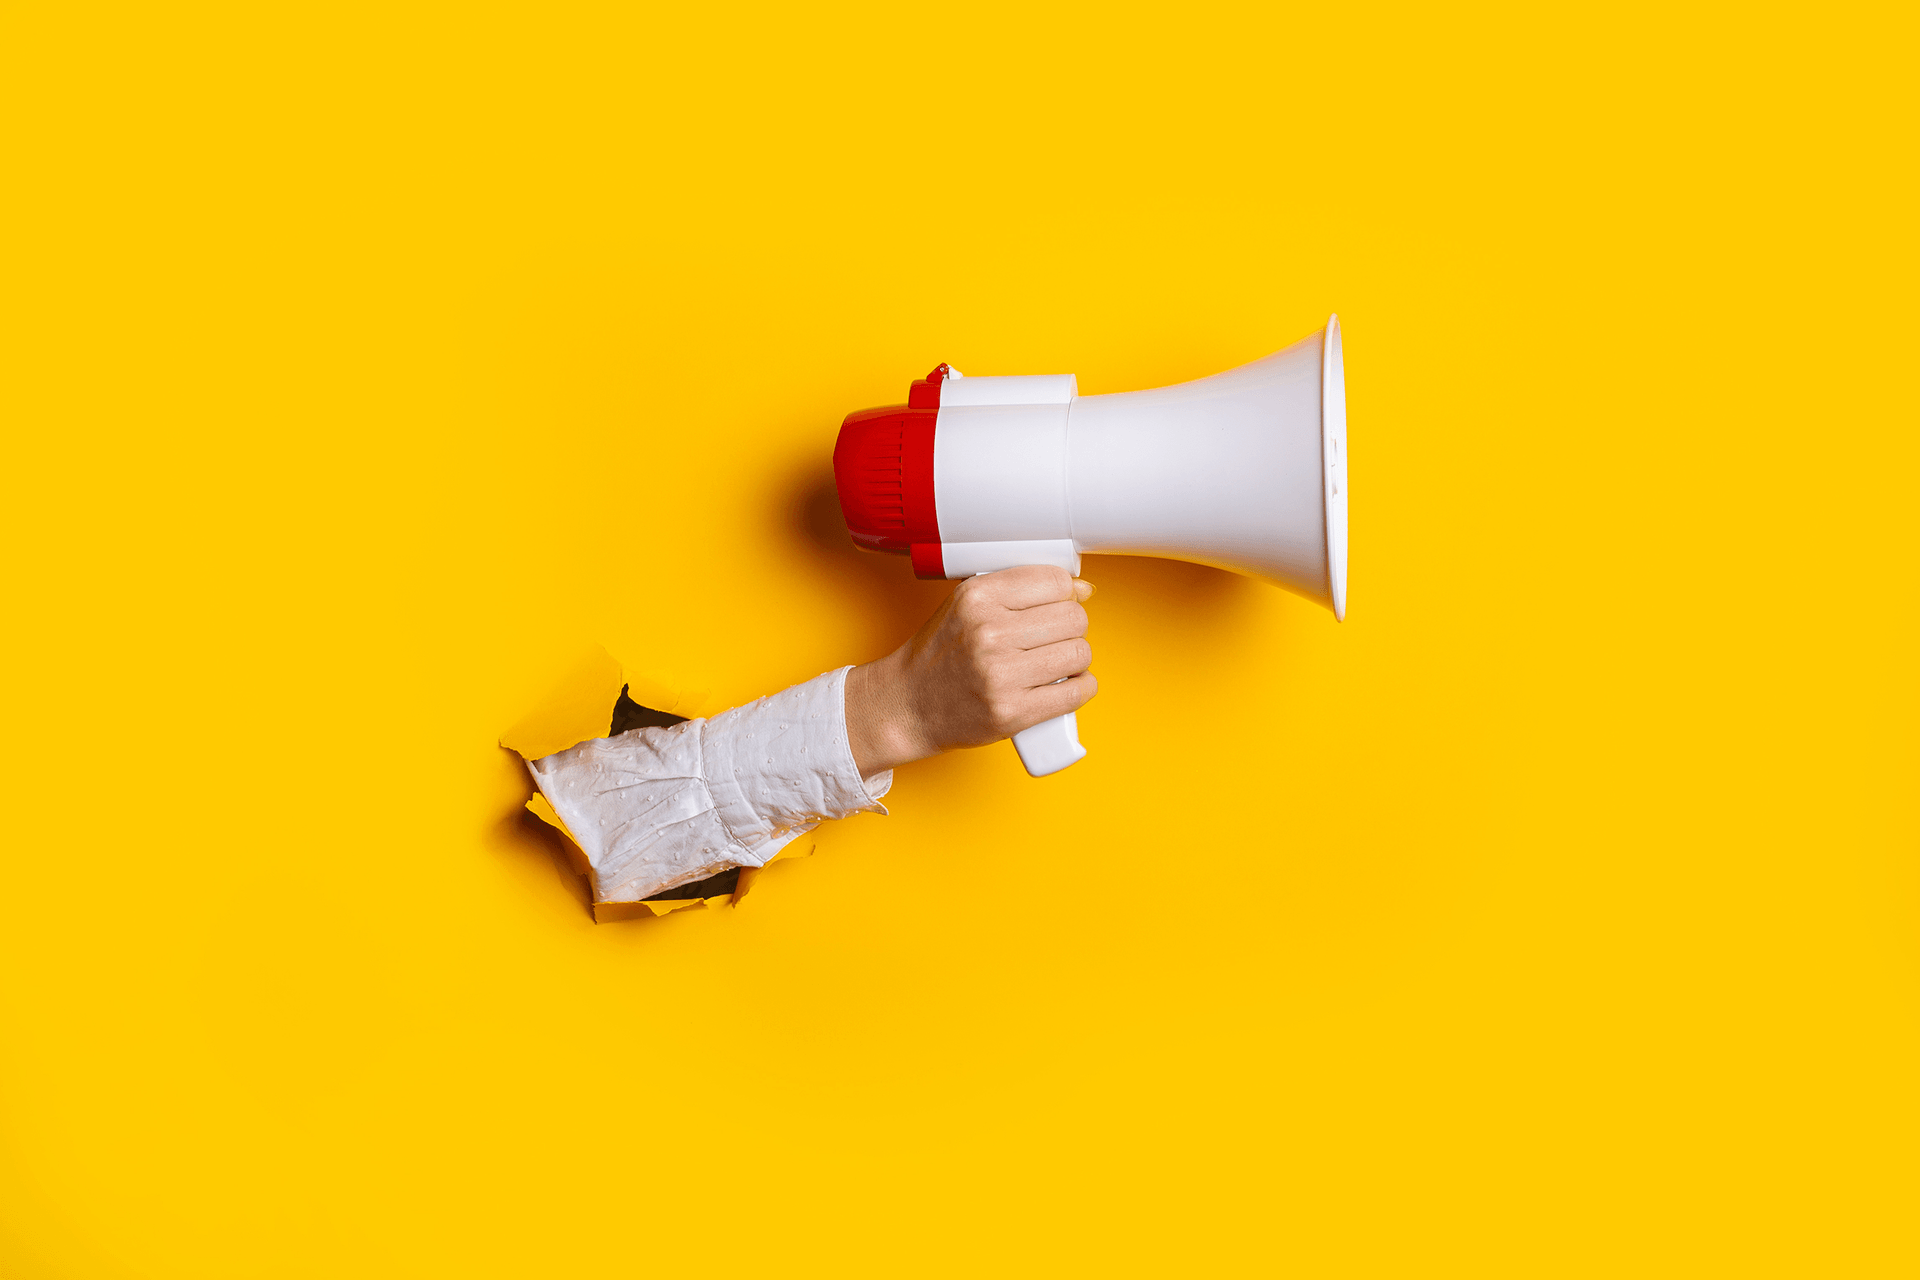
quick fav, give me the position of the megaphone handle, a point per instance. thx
(1050, 746)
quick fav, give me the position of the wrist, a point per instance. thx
(882, 728)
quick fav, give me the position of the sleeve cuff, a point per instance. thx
(784, 761)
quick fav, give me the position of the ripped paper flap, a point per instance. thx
(586, 705)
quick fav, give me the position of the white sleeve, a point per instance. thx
(656, 808)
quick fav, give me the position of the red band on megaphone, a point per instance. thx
(925, 392)
(928, 560)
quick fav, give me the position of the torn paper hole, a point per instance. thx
(601, 698)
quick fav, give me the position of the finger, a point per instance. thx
(1082, 589)
(1036, 667)
(1046, 624)
(1027, 586)
(1057, 699)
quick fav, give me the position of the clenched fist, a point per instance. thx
(1006, 651)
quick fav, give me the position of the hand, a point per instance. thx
(984, 667)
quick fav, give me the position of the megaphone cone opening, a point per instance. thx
(1333, 453)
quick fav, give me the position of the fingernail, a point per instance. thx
(1082, 582)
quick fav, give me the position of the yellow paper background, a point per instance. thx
(365, 366)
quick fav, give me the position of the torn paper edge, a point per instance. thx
(580, 709)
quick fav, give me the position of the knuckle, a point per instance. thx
(1045, 577)
(1003, 714)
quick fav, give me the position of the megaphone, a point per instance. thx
(1245, 470)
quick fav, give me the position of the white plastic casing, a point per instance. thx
(1000, 471)
(1245, 470)
(962, 392)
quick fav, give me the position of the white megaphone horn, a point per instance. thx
(1246, 470)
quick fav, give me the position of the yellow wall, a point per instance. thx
(364, 368)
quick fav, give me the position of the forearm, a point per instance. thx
(883, 727)
(654, 808)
